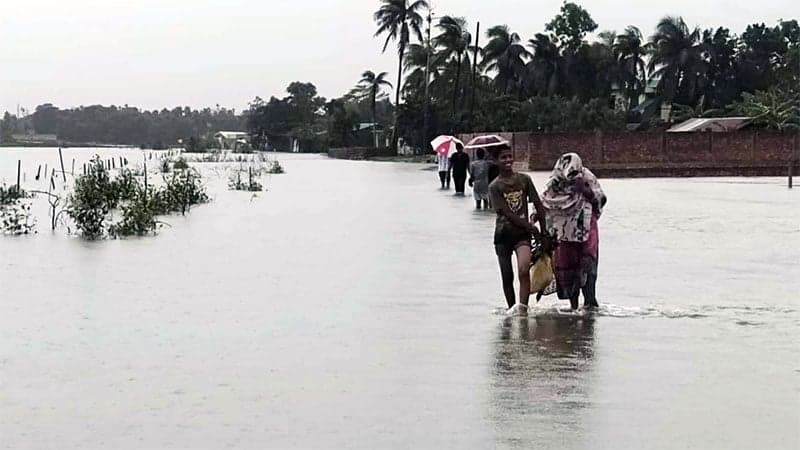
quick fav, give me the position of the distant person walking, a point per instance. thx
(444, 170)
(574, 202)
(479, 179)
(459, 164)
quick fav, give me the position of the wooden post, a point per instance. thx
(38, 172)
(73, 167)
(791, 172)
(145, 181)
(61, 158)
(19, 168)
(250, 177)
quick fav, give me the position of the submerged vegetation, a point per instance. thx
(96, 195)
(15, 213)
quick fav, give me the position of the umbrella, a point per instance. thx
(445, 145)
(487, 141)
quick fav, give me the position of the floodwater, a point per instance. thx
(354, 305)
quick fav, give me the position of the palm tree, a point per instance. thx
(547, 66)
(369, 88)
(629, 50)
(454, 42)
(504, 54)
(677, 60)
(414, 65)
(398, 19)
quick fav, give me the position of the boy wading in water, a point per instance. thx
(510, 194)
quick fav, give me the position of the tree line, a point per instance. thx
(450, 79)
(121, 125)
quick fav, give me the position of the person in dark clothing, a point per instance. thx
(459, 164)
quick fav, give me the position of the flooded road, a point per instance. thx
(354, 305)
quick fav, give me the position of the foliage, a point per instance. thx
(298, 116)
(251, 184)
(10, 194)
(96, 195)
(123, 124)
(398, 19)
(776, 108)
(92, 199)
(275, 167)
(16, 218)
(180, 164)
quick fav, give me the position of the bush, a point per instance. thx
(10, 195)
(180, 164)
(16, 218)
(251, 184)
(93, 198)
(275, 168)
(96, 195)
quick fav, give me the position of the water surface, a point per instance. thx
(354, 305)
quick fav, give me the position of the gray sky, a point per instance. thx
(164, 53)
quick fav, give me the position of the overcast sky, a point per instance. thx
(163, 53)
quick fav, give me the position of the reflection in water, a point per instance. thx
(539, 379)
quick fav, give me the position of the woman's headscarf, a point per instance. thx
(569, 213)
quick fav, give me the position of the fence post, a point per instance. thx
(19, 168)
(61, 158)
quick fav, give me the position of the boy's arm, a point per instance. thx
(501, 206)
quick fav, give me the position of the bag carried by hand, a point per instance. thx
(543, 277)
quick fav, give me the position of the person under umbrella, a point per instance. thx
(445, 147)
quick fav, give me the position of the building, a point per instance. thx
(716, 124)
(35, 139)
(232, 140)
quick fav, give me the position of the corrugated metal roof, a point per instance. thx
(711, 124)
(231, 134)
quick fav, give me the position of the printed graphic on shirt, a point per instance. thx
(514, 200)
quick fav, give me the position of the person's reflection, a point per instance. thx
(539, 379)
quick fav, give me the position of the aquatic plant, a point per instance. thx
(275, 168)
(92, 199)
(235, 182)
(180, 164)
(16, 218)
(96, 195)
(10, 194)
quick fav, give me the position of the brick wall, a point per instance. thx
(626, 154)
(359, 152)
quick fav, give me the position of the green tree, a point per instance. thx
(677, 61)
(505, 55)
(370, 88)
(571, 25)
(397, 19)
(776, 108)
(630, 51)
(454, 41)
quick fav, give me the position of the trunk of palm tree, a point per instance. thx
(395, 132)
(455, 88)
(374, 121)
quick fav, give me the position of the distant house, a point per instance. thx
(232, 140)
(717, 124)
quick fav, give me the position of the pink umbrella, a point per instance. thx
(487, 141)
(445, 145)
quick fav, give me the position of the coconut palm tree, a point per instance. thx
(454, 42)
(370, 88)
(547, 66)
(630, 50)
(677, 61)
(504, 54)
(397, 19)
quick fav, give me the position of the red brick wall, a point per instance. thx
(748, 152)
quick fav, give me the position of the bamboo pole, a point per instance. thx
(61, 158)
(39, 172)
(19, 168)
